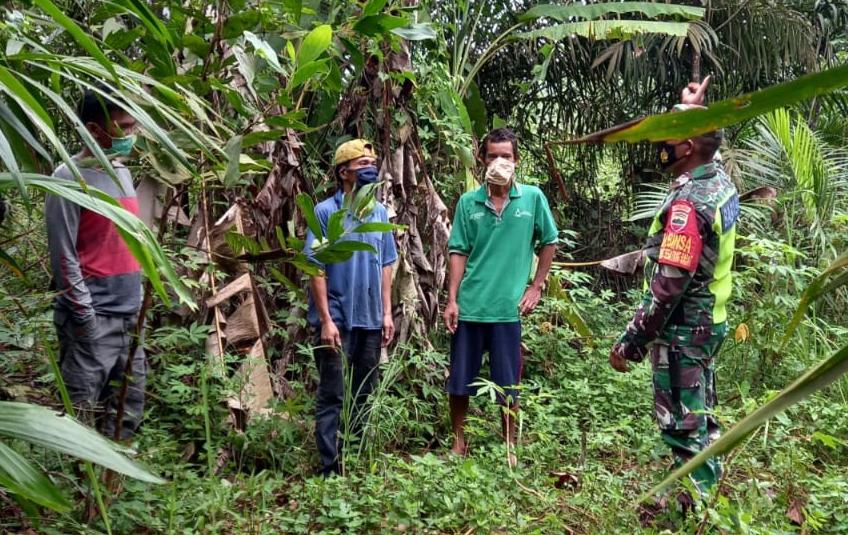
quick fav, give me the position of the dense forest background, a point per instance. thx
(241, 104)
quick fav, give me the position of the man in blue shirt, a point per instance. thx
(350, 306)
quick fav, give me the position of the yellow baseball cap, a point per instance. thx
(353, 149)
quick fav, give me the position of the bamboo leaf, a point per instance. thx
(83, 132)
(151, 22)
(15, 89)
(140, 240)
(15, 123)
(43, 427)
(818, 287)
(19, 477)
(11, 163)
(81, 37)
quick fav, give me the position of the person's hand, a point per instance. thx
(530, 299)
(388, 329)
(694, 92)
(451, 316)
(330, 334)
(617, 360)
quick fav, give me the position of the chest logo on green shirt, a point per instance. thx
(477, 215)
(519, 213)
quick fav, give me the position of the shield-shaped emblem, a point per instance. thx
(679, 217)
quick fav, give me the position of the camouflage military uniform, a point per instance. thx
(683, 314)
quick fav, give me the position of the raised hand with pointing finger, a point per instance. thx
(694, 92)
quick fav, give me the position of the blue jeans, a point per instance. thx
(361, 347)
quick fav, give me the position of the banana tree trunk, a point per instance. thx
(411, 198)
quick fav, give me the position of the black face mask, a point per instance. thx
(666, 154)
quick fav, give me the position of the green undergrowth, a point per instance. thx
(588, 447)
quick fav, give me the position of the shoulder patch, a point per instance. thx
(729, 213)
(682, 243)
(679, 215)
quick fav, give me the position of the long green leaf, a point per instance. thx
(818, 287)
(15, 89)
(233, 150)
(421, 31)
(81, 37)
(816, 378)
(140, 240)
(376, 226)
(607, 29)
(11, 162)
(151, 22)
(19, 477)
(18, 126)
(12, 265)
(10, 85)
(307, 210)
(565, 13)
(45, 428)
(143, 118)
(683, 125)
(137, 85)
(81, 129)
(349, 246)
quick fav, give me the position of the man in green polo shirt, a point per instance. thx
(496, 230)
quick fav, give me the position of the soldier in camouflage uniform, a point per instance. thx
(683, 315)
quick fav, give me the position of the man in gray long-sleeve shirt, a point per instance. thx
(97, 279)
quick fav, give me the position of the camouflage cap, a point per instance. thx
(353, 149)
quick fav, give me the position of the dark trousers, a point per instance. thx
(361, 348)
(92, 359)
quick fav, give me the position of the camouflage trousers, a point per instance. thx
(684, 398)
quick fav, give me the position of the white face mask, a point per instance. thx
(500, 172)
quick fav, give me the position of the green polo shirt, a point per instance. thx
(499, 249)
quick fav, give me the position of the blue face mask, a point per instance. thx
(366, 175)
(121, 146)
